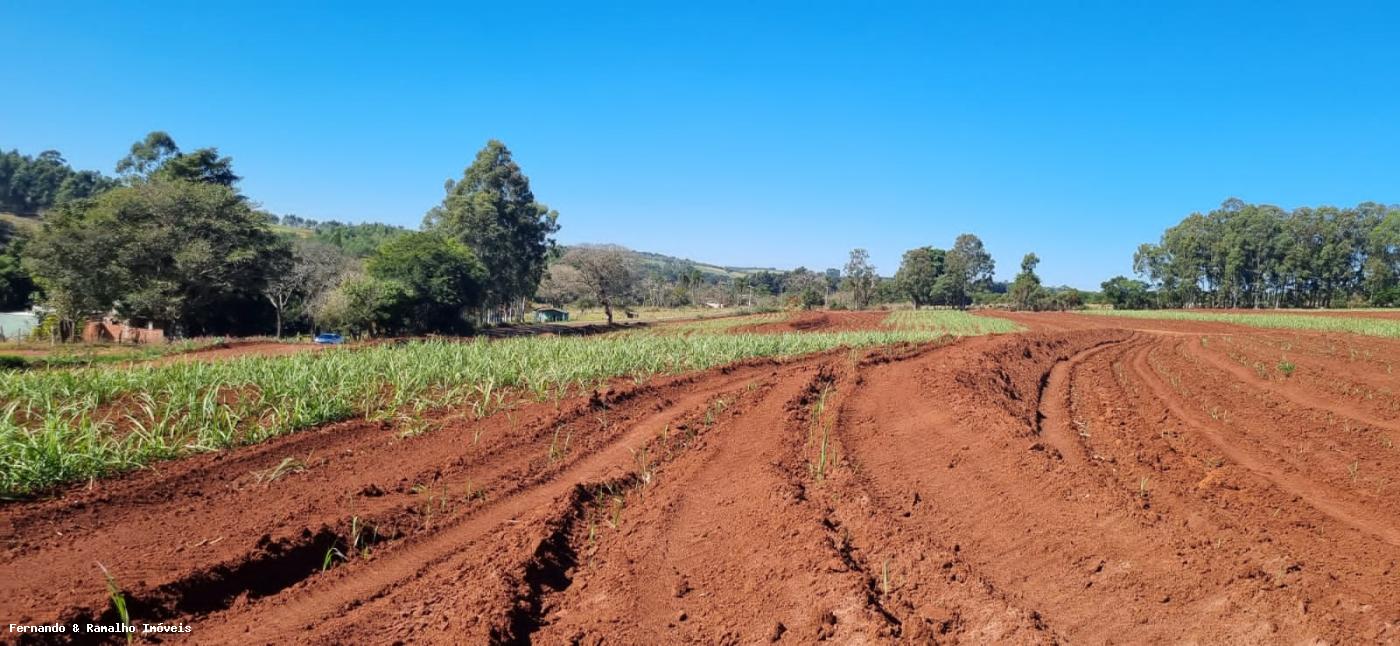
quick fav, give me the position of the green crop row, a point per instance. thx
(60, 426)
(1314, 322)
(953, 322)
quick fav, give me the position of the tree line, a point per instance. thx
(1258, 255)
(171, 242)
(29, 185)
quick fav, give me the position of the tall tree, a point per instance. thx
(15, 284)
(158, 157)
(1025, 289)
(861, 278)
(493, 211)
(1383, 262)
(969, 267)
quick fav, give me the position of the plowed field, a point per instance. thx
(1090, 480)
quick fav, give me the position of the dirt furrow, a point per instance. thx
(1055, 419)
(1299, 397)
(1318, 495)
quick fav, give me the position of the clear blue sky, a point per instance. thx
(748, 133)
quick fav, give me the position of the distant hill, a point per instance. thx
(671, 266)
(357, 238)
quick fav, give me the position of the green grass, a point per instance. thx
(953, 322)
(60, 426)
(1353, 325)
(726, 323)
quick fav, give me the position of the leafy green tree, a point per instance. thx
(203, 165)
(15, 284)
(1025, 289)
(357, 240)
(157, 157)
(805, 288)
(31, 185)
(861, 278)
(1066, 298)
(918, 274)
(969, 267)
(83, 184)
(363, 304)
(440, 277)
(493, 211)
(1382, 268)
(691, 279)
(169, 252)
(148, 155)
(1126, 294)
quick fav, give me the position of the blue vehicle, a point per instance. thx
(329, 338)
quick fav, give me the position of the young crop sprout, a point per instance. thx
(287, 466)
(643, 462)
(114, 593)
(331, 555)
(558, 450)
(616, 516)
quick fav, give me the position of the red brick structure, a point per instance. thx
(111, 331)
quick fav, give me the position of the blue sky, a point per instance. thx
(777, 134)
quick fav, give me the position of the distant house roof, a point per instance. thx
(551, 309)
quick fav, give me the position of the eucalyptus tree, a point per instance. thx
(492, 210)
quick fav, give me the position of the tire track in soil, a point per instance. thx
(306, 606)
(694, 578)
(677, 569)
(1081, 550)
(1055, 420)
(282, 531)
(998, 503)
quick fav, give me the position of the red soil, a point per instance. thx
(1087, 485)
(836, 321)
(238, 349)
